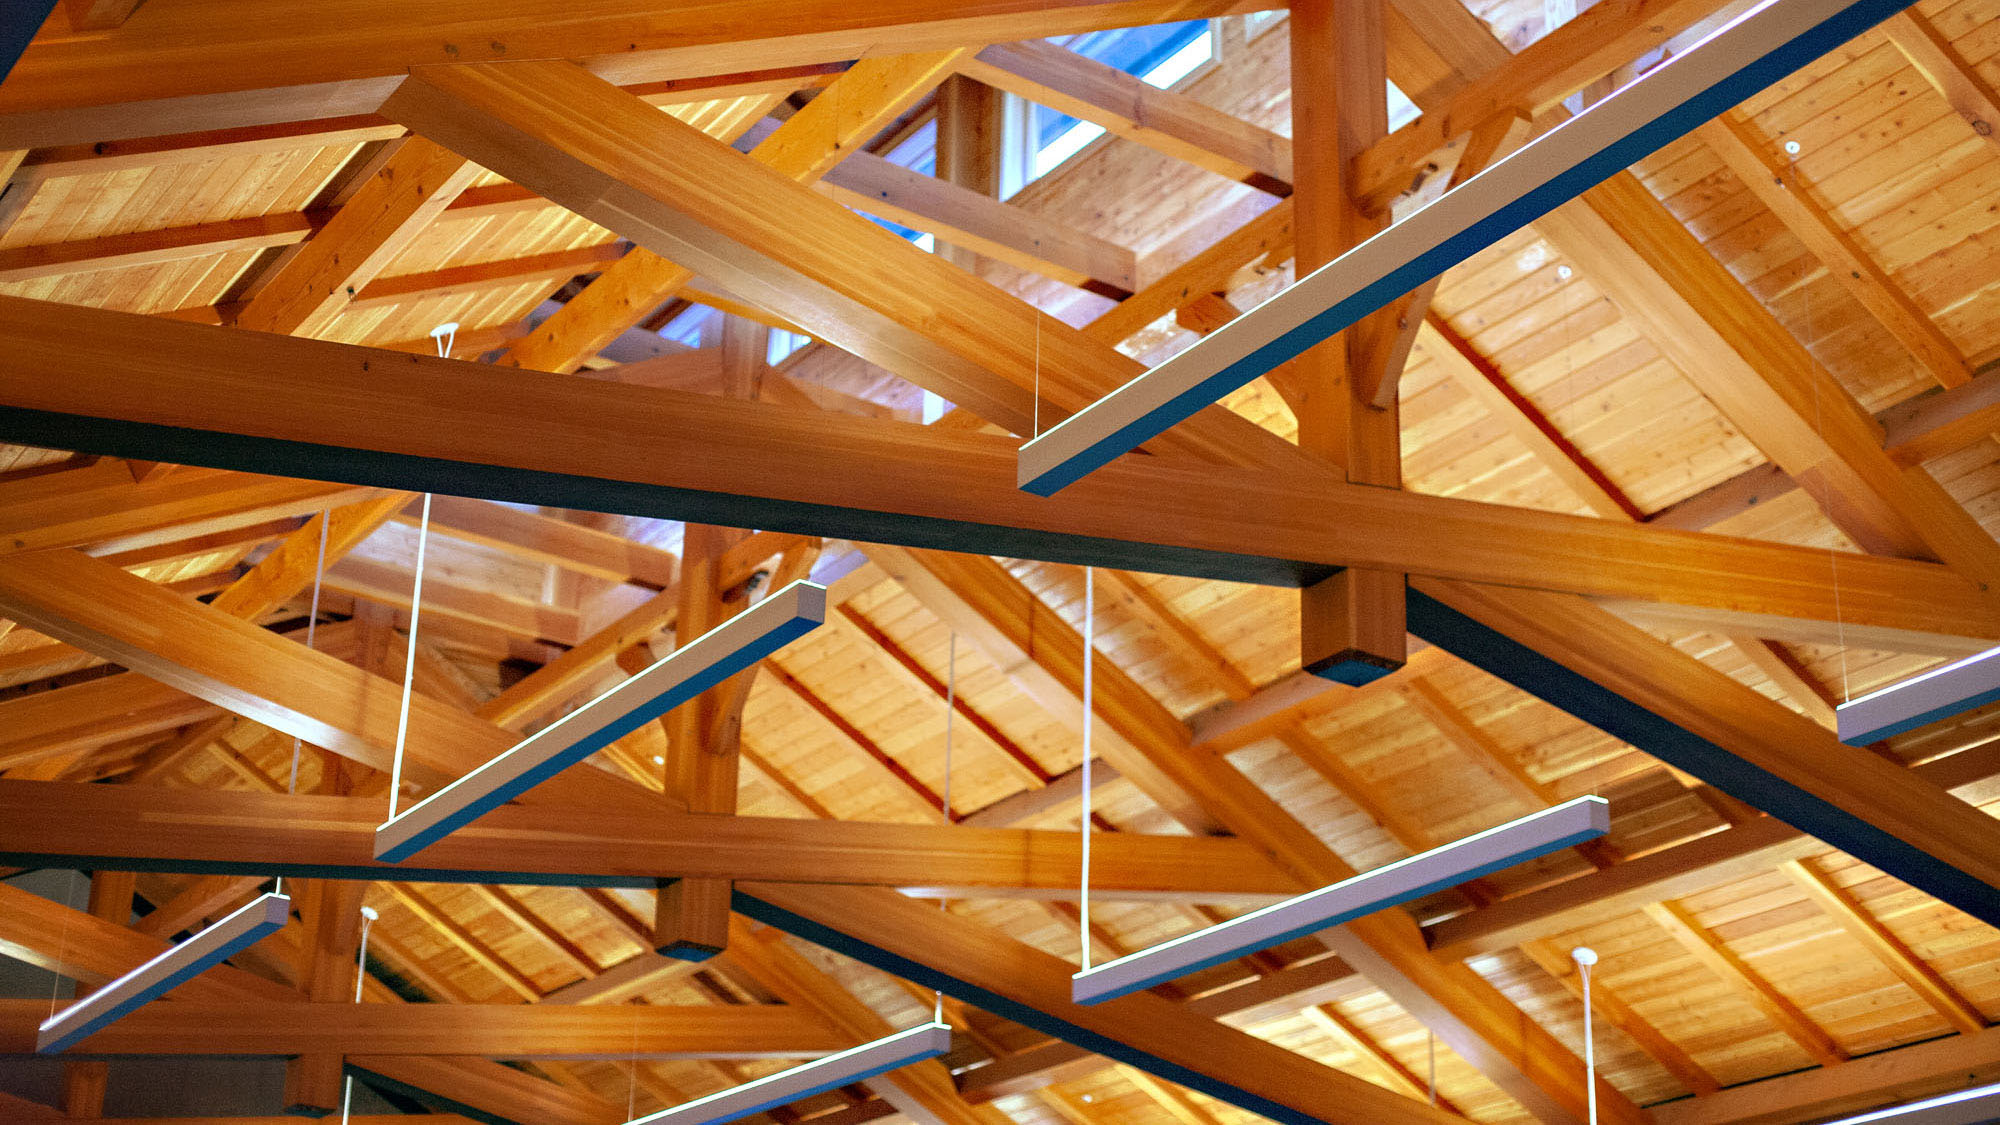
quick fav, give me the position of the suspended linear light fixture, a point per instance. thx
(1517, 841)
(925, 1041)
(262, 916)
(1976, 1106)
(693, 668)
(1939, 693)
(1758, 48)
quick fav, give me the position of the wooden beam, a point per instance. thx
(87, 715)
(101, 502)
(222, 81)
(896, 481)
(84, 1082)
(1634, 687)
(1007, 978)
(926, 1089)
(1719, 959)
(327, 837)
(1615, 1011)
(993, 610)
(1759, 376)
(857, 106)
(506, 1031)
(794, 256)
(1776, 184)
(453, 281)
(972, 221)
(1588, 46)
(1163, 120)
(331, 935)
(1889, 949)
(1869, 1082)
(410, 190)
(279, 683)
(1744, 850)
(153, 247)
(1967, 91)
(558, 542)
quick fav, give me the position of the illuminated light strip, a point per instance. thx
(693, 668)
(1922, 699)
(1517, 841)
(926, 1041)
(263, 916)
(1966, 1107)
(1755, 50)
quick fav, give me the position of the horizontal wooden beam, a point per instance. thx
(503, 1031)
(211, 64)
(192, 394)
(235, 833)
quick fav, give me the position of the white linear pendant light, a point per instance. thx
(1922, 699)
(262, 916)
(1976, 1106)
(925, 1041)
(693, 668)
(1754, 50)
(1517, 841)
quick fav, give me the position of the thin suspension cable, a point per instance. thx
(1083, 824)
(1589, 1049)
(312, 626)
(409, 660)
(360, 976)
(950, 710)
(1819, 428)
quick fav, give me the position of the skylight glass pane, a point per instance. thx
(685, 327)
(1402, 110)
(918, 151)
(782, 344)
(1161, 54)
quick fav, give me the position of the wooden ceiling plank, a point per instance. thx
(1968, 92)
(1163, 120)
(480, 277)
(465, 941)
(1776, 184)
(155, 247)
(1760, 377)
(1792, 678)
(1719, 959)
(387, 214)
(326, 837)
(850, 112)
(937, 486)
(1889, 949)
(509, 1031)
(1010, 979)
(1621, 1015)
(1350, 1035)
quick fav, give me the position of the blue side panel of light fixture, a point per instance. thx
(1592, 702)
(19, 20)
(1809, 44)
(1960, 707)
(1047, 1023)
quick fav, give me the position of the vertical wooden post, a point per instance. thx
(691, 920)
(84, 1083)
(1351, 625)
(969, 123)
